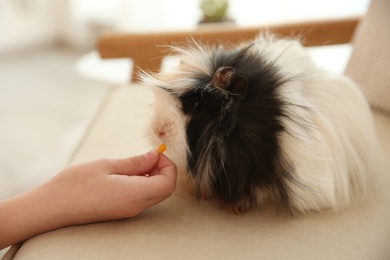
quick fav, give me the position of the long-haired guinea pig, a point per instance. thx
(259, 123)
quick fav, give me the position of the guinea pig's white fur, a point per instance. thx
(168, 125)
(334, 156)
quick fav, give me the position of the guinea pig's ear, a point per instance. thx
(239, 87)
(225, 78)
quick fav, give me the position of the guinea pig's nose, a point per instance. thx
(160, 133)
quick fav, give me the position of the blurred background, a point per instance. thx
(46, 99)
(26, 23)
(51, 82)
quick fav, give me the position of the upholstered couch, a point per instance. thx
(180, 228)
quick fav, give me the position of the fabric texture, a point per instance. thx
(369, 64)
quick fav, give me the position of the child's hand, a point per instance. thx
(100, 190)
(112, 188)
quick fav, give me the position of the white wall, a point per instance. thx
(26, 23)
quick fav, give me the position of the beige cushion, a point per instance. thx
(369, 64)
(180, 228)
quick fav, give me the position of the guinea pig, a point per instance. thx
(259, 123)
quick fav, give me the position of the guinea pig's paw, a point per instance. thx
(237, 209)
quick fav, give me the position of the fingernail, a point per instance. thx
(151, 155)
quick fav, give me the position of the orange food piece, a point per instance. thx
(161, 148)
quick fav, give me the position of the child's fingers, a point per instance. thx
(154, 187)
(135, 165)
(139, 165)
(160, 182)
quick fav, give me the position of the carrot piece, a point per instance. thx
(161, 148)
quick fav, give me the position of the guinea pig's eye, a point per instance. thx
(197, 105)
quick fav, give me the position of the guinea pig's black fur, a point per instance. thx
(246, 128)
(246, 114)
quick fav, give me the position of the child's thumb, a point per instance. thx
(136, 165)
